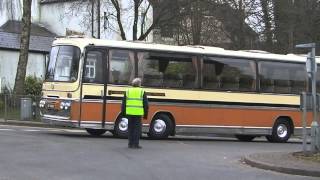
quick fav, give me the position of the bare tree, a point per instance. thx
(24, 48)
(140, 9)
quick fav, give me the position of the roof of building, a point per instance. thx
(40, 39)
(12, 26)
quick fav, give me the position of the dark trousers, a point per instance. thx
(134, 130)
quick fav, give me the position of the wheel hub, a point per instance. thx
(282, 130)
(123, 125)
(159, 126)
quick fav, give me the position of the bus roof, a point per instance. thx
(206, 50)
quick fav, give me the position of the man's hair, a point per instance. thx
(136, 82)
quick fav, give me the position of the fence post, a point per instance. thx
(5, 108)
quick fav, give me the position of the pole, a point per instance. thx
(315, 132)
(314, 124)
(304, 117)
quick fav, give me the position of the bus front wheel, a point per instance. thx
(96, 132)
(121, 127)
(281, 131)
(160, 127)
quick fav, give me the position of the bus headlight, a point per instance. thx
(65, 105)
(62, 105)
(42, 103)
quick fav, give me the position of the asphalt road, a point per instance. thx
(53, 154)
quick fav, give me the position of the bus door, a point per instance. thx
(93, 88)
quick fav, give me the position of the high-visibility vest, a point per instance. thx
(134, 101)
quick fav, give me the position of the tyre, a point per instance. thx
(281, 131)
(160, 127)
(246, 138)
(121, 128)
(96, 132)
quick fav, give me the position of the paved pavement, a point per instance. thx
(283, 162)
(276, 161)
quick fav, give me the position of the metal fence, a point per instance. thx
(19, 107)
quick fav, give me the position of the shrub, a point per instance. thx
(33, 86)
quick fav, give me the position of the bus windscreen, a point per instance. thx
(63, 64)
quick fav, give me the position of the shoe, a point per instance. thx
(137, 147)
(130, 146)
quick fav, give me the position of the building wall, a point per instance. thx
(12, 10)
(58, 17)
(54, 18)
(8, 66)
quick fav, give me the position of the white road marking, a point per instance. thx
(31, 130)
(6, 129)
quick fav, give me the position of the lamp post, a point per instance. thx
(311, 66)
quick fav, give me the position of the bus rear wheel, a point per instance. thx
(96, 132)
(281, 131)
(121, 128)
(246, 138)
(160, 127)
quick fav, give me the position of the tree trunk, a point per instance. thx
(241, 37)
(92, 18)
(267, 22)
(196, 17)
(116, 5)
(98, 19)
(135, 20)
(24, 48)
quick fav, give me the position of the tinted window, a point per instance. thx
(166, 70)
(121, 63)
(63, 64)
(93, 71)
(229, 74)
(278, 77)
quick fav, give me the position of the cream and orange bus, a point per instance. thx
(191, 89)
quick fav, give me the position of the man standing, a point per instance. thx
(135, 106)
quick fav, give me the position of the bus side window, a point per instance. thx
(298, 79)
(172, 80)
(246, 83)
(93, 68)
(121, 66)
(211, 82)
(149, 71)
(266, 85)
(279, 77)
(282, 86)
(230, 83)
(166, 70)
(189, 81)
